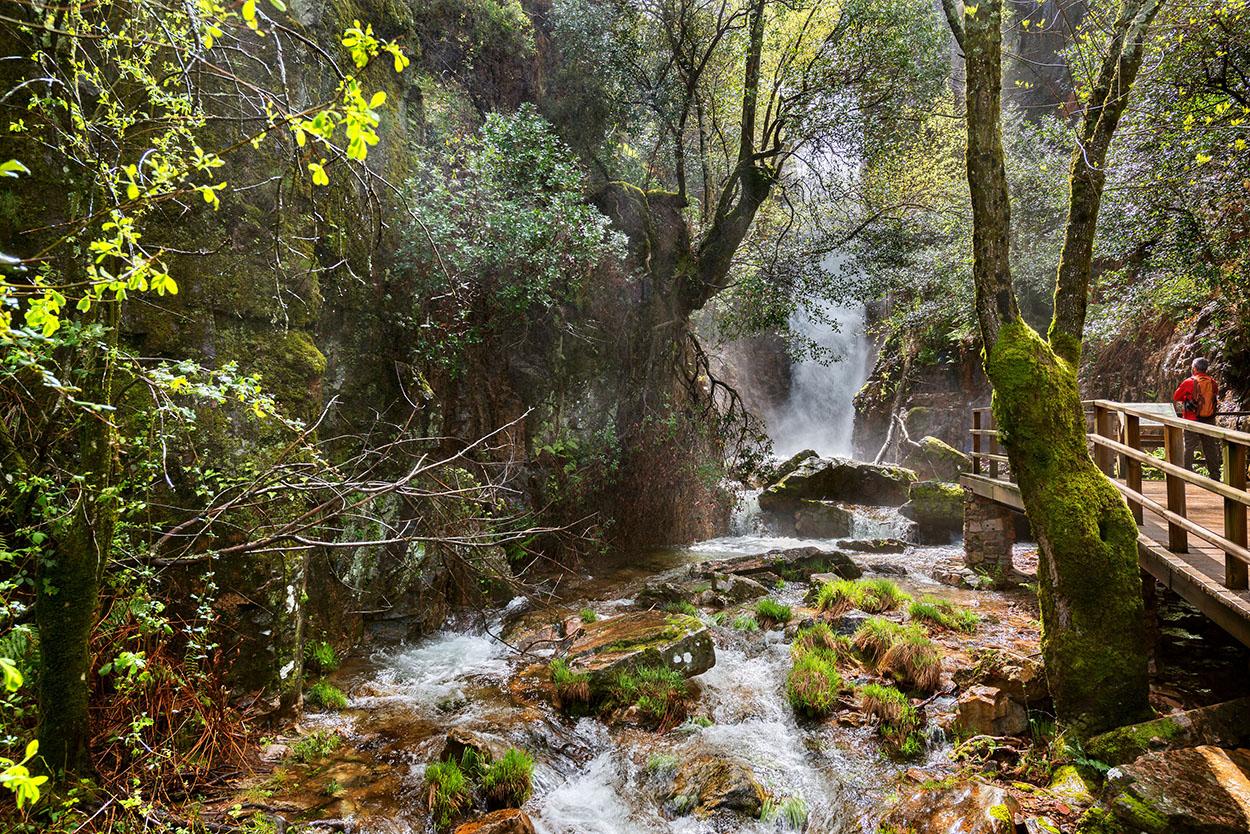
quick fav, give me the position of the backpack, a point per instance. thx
(1202, 402)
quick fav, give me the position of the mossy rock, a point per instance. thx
(934, 459)
(1195, 790)
(937, 507)
(1223, 725)
(838, 479)
(644, 638)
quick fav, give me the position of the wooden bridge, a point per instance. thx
(1192, 528)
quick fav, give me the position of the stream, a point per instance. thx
(592, 779)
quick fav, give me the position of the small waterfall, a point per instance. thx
(820, 412)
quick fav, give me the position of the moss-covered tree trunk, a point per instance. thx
(69, 586)
(1093, 629)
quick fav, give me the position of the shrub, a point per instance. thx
(880, 595)
(769, 611)
(746, 622)
(449, 792)
(588, 615)
(875, 637)
(838, 597)
(326, 696)
(508, 782)
(943, 614)
(812, 685)
(571, 687)
(913, 659)
(316, 745)
(896, 718)
(320, 657)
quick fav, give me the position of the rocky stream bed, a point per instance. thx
(738, 753)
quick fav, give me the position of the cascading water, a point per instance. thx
(819, 414)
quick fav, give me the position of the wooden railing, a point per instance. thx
(1120, 437)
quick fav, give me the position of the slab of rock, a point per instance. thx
(873, 545)
(987, 710)
(822, 520)
(938, 510)
(459, 740)
(1021, 677)
(1221, 725)
(838, 479)
(706, 783)
(934, 459)
(792, 562)
(1193, 790)
(969, 808)
(706, 588)
(643, 638)
(507, 821)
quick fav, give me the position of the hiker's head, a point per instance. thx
(1201, 365)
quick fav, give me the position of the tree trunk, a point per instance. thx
(1093, 627)
(69, 586)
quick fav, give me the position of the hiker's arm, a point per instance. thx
(1183, 390)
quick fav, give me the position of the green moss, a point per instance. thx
(1093, 637)
(1099, 820)
(1124, 744)
(508, 782)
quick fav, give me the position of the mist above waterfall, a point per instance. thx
(819, 412)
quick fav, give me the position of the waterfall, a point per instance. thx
(819, 414)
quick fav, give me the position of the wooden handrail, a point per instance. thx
(1231, 435)
(1209, 484)
(1198, 530)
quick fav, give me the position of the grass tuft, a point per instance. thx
(508, 782)
(682, 607)
(875, 636)
(881, 595)
(449, 793)
(837, 597)
(913, 659)
(315, 745)
(897, 720)
(660, 693)
(746, 622)
(320, 657)
(943, 614)
(325, 696)
(812, 686)
(791, 812)
(588, 615)
(572, 688)
(769, 612)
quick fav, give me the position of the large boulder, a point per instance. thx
(507, 821)
(1022, 677)
(642, 638)
(968, 808)
(1194, 790)
(793, 562)
(703, 587)
(986, 710)
(838, 479)
(707, 783)
(934, 459)
(1221, 725)
(822, 520)
(937, 508)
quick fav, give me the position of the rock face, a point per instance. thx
(1221, 725)
(937, 508)
(507, 821)
(935, 459)
(643, 638)
(1195, 790)
(970, 808)
(987, 710)
(704, 784)
(838, 479)
(822, 520)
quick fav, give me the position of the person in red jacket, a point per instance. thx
(1198, 396)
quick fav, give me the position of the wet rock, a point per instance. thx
(1221, 725)
(794, 562)
(776, 473)
(1041, 825)
(934, 459)
(643, 638)
(705, 588)
(1194, 790)
(1023, 678)
(874, 545)
(887, 568)
(969, 808)
(704, 784)
(938, 510)
(838, 479)
(459, 740)
(822, 520)
(1068, 784)
(987, 710)
(507, 821)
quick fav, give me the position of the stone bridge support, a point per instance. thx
(989, 533)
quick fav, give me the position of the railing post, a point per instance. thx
(1130, 468)
(1236, 575)
(1104, 458)
(976, 441)
(1174, 451)
(993, 447)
